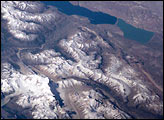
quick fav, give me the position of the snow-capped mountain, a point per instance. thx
(61, 67)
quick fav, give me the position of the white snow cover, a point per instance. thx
(91, 102)
(119, 77)
(68, 83)
(33, 91)
(21, 22)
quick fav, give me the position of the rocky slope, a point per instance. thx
(59, 66)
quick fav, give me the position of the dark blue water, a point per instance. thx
(130, 32)
(94, 17)
(140, 35)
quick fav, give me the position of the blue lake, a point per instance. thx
(94, 17)
(133, 33)
(130, 32)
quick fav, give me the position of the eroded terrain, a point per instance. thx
(59, 66)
